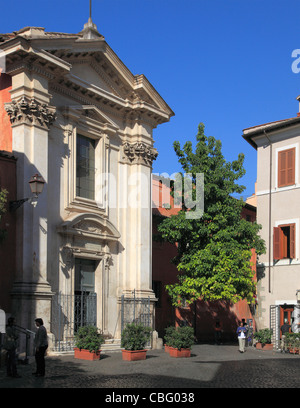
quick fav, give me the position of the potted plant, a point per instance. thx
(293, 342)
(180, 341)
(134, 339)
(88, 341)
(264, 339)
(169, 331)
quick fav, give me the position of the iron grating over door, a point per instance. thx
(275, 324)
(69, 312)
(136, 310)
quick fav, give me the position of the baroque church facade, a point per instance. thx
(74, 114)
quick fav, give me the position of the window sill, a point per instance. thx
(285, 261)
(80, 203)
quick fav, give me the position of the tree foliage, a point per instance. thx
(214, 251)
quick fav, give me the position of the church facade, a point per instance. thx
(74, 114)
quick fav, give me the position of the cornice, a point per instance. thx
(87, 94)
(55, 50)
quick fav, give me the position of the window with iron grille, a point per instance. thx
(84, 306)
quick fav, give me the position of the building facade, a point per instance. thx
(277, 196)
(73, 113)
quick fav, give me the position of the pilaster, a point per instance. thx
(31, 116)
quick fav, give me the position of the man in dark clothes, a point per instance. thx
(285, 328)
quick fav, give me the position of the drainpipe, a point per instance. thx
(270, 208)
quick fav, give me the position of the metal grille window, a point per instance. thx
(84, 312)
(85, 167)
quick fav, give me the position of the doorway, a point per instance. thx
(286, 315)
(85, 306)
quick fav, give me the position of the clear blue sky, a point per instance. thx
(226, 63)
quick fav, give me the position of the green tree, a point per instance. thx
(214, 250)
(3, 200)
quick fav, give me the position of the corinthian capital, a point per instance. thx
(139, 153)
(30, 112)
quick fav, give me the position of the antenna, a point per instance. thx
(90, 9)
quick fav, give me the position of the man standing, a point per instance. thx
(241, 331)
(285, 328)
(41, 345)
(10, 345)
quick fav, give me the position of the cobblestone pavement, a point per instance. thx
(209, 367)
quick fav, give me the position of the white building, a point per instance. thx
(84, 122)
(278, 196)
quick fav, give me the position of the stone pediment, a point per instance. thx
(87, 70)
(94, 74)
(100, 73)
(91, 112)
(89, 226)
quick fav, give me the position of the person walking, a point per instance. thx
(10, 345)
(218, 332)
(247, 331)
(241, 331)
(41, 345)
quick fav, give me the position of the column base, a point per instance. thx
(31, 300)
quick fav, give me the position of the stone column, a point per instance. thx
(31, 117)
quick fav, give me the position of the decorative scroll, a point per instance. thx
(30, 111)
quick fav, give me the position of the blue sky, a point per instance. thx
(226, 63)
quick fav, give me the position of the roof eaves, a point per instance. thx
(272, 126)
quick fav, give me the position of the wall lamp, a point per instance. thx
(36, 185)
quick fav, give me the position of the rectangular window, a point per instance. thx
(286, 167)
(284, 242)
(84, 275)
(85, 167)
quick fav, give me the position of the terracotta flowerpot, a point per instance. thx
(134, 355)
(294, 350)
(167, 348)
(86, 354)
(260, 346)
(174, 352)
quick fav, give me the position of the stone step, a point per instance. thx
(111, 345)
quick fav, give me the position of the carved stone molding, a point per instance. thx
(88, 226)
(139, 153)
(30, 112)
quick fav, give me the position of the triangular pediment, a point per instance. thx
(99, 72)
(92, 112)
(88, 73)
(87, 69)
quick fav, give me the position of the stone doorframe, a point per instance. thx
(88, 236)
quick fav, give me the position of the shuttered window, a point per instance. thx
(286, 167)
(284, 242)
